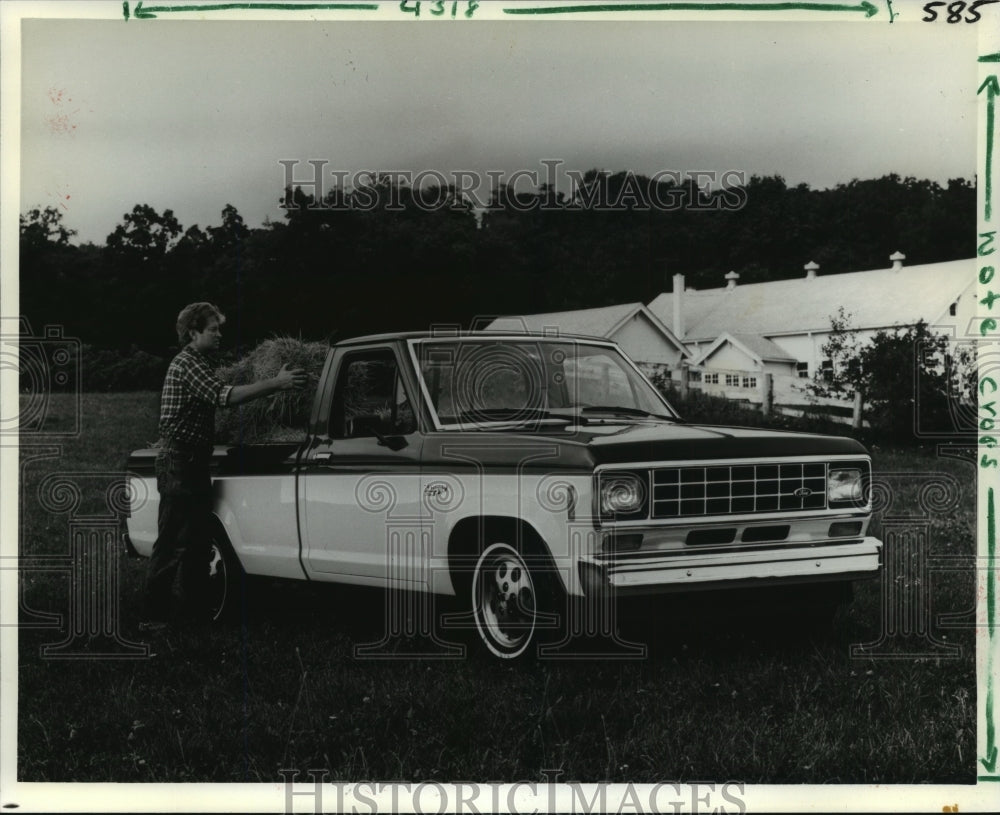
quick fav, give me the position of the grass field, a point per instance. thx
(717, 697)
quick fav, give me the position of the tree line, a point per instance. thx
(329, 269)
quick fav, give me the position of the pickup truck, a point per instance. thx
(525, 475)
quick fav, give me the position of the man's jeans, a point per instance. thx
(184, 533)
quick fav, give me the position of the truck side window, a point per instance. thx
(369, 395)
(404, 419)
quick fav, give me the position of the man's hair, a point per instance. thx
(195, 317)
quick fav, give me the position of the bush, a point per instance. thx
(897, 371)
(282, 416)
(704, 408)
(115, 369)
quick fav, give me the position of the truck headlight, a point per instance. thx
(622, 494)
(844, 485)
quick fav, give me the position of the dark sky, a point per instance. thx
(192, 115)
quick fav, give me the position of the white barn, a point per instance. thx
(780, 327)
(634, 327)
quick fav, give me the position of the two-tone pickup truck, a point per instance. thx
(527, 475)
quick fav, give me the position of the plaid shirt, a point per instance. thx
(191, 393)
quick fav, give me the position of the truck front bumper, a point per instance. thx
(692, 571)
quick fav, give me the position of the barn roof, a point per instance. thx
(595, 322)
(879, 298)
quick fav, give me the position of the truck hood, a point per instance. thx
(583, 447)
(680, 442)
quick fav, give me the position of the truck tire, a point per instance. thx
(511, 601)
(828, 610)
(504, 601)
(224, 590)
(815, 610)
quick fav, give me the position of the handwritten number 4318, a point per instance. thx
(954, 11)
(437, 7)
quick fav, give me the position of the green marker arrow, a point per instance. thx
(990, 762)
(992, 89)
(150, 12)
(869, 9)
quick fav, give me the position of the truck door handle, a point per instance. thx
(323, 455)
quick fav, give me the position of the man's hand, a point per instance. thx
(289, 378)
(286, 379)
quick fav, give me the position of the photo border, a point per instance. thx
(30, 797)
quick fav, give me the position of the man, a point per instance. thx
(191, 393)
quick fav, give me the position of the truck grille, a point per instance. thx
(681, 492)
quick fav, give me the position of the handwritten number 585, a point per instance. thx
(954, 11)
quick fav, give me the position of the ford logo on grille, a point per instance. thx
(803, 492)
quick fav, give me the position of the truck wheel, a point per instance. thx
(829, 607)
(225, 582)
(505, 597)
(815, 610)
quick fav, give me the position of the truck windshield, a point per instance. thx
(477, 381)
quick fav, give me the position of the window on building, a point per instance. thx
(826, 370)
(732, 380)
(749, 382)
(694, 376)
(953, 308)
(802, 370)
(711, 379)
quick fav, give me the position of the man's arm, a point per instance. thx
(286, 379)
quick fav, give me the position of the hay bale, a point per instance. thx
(281, 416)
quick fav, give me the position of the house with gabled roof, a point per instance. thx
(640, 333)
(758, 328)
(732, 366)
(741, 350)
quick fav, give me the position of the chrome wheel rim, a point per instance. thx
(218, 585)
(504, 601)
